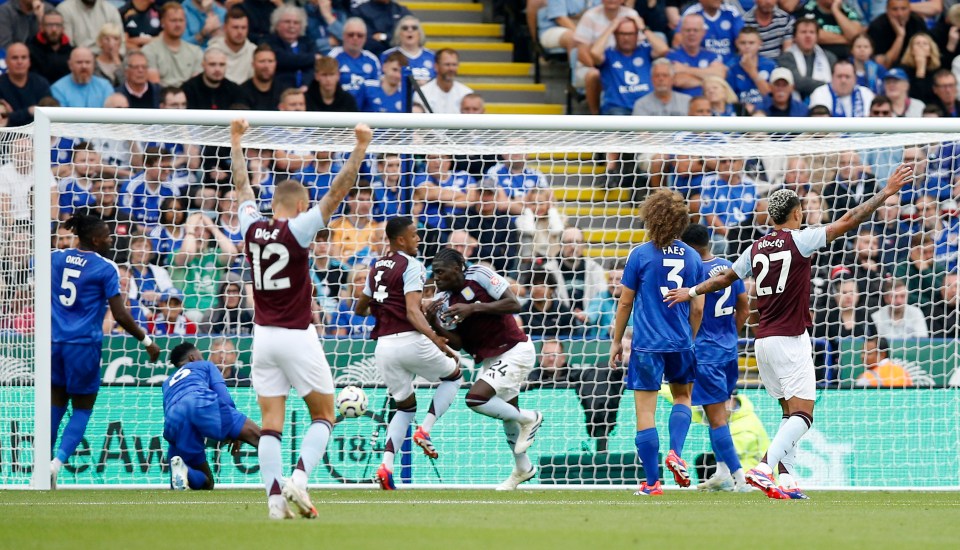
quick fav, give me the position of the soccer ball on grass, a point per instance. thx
(352, 402)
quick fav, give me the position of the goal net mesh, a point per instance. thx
(555, 211)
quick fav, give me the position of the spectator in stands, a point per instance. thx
(842, 96)
(922, 273)
(204, 21)
(295, 56)
(262, 90)
(325, 23)
(557, 22)
(391, 192)
(591, 25)
(898, 319)
(211, 89)
(83, 19)
(20, 88)
(207, 251)
(920, 61)
(663, 100)
(109, 61)
(723, 102)
(76, 189)
(408, 39)
(844, 316)
(852, 184)
(172, 59)
(488, 220)
(169, 319)
(602, 309)
(381, 17)
(346, 323)
(577, 278)
(141, 314)
(553, 371)
(63, 238)
(224, 355)
(357, 65)
(546, 316)
(869, 73)
(150, 280)
(743, 235)
(516, 179)
(173, 98)
(723, 23)
(387, 95)
(728, 198)
(882, 372)
(540, 226)
(104, 192)
(925, 180)
(748, 72)
(691, 62)
(896, 86)
(325, 92)
(20, 20)
(141, 22)
(141, 196)
(893, 30)
(234, 42)
(947, 33)
(472, 104)
(140, 92)
(893, 241)
(354, 230)
(625, 68)
(167, 235)
(839, 24)
(439, 197)
(464, 243)
(810, 64)
(230, 315)
(866, 267)
(780, 102)
(81, 88)
(50, 48)
(259, 12)
(775, 26)
(945, 90)
(945, 312)
(445, 93)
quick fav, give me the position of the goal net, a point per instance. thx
(551, 203)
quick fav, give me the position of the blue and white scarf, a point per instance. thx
(859, 109)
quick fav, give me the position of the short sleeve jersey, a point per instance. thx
(780, 264)
(390, 280)
(82, 283)
(201, 378)
(717, 338)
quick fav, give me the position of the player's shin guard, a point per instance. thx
(680, 417)
(73, 433)
(442, 399)
(522, 461)
(787, 437)
(396, 432)
(648, 449)
(722, 443)
(271, 467)
(313, 446)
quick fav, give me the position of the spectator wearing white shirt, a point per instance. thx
(898, 319)
(444, 93)
(842, 95)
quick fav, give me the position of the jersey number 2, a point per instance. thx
(67, 284)
(266, 280)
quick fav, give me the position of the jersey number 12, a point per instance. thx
(267, 280)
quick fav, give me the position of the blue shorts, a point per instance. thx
(76, 367)
(648, 369)
(715, 382)
(192, 419)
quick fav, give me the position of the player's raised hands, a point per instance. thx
(238, 127)
(676, 296)
(364, 134)
(900, 177)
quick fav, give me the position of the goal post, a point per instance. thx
(597, 170)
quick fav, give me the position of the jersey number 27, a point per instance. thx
(764, 261)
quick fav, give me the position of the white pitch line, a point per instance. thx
(638, 502)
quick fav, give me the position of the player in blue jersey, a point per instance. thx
(663, 338)
(83, 284)
(724, 313)
(196, 406)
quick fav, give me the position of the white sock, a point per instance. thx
(396, 431)
(314, 445)
(522, 461)
(442, 399)
(500, 409)
(270, 463)
(722, 469)
(786, 439)
(787, 481)
(55, 465)
(738, 477)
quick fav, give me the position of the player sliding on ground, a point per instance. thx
(662, 347)
(406, 345)
(286, 347)
(83, 284)
(196, 405)
(780, 263)
(474, 311)
(718, 366)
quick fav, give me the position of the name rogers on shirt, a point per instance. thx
(767, 244)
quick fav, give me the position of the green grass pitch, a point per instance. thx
(460, 520)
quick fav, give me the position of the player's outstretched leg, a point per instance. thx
(72, 433)
(523, 470)
(396, 431)
(442, 399)
(482, 398)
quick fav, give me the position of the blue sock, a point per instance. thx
(196, 479)
(680, 418)
(722, 443)
(56, 417)
(73, 433)
(648, 449)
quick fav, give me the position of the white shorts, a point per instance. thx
(284, 357)
(507, 371)
(402, 357)
(550, 38)
(786, 366)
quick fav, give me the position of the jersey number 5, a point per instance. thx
(67, 284)
(785, 257)
(266, 280)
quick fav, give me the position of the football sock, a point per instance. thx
(73, 433)
(442, 399)
(271, 470)
(522, 461)
(787, 436)
(722, 469)
(55, 465)
(648, 449)
(314, 445)
(196, 479)
(722, 443)
(396, 432)
(500, 409)
(56, 417)
(680, 417)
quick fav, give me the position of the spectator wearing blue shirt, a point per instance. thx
(748, 73)
(870, 74)
(408, 39)
(723, 23)
(691, 61)
(512, 174)
(204, 19)
(324, 25)
(81, 88)
(557, 21)
(728, 198)
(439, 196)
(357, 65)
(602, 308)
(76, 189)
(387, 96)
(392, 195)
(381, 17)
(295, 55)
(625, 68)
(140, 196)
(780, 102)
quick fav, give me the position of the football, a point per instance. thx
(352, 402)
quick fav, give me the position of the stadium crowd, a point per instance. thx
(173, 212)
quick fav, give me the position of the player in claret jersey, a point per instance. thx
(780, 264)
(474, 311)
(406, 345)
(286, 348)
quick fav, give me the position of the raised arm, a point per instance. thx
(864, 211)
(238, 162)
(599, 46)
(347, 177)
(119, 311)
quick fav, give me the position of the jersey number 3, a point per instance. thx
(785, 257)
(267, 280)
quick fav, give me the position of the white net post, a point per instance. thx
(42, 282)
